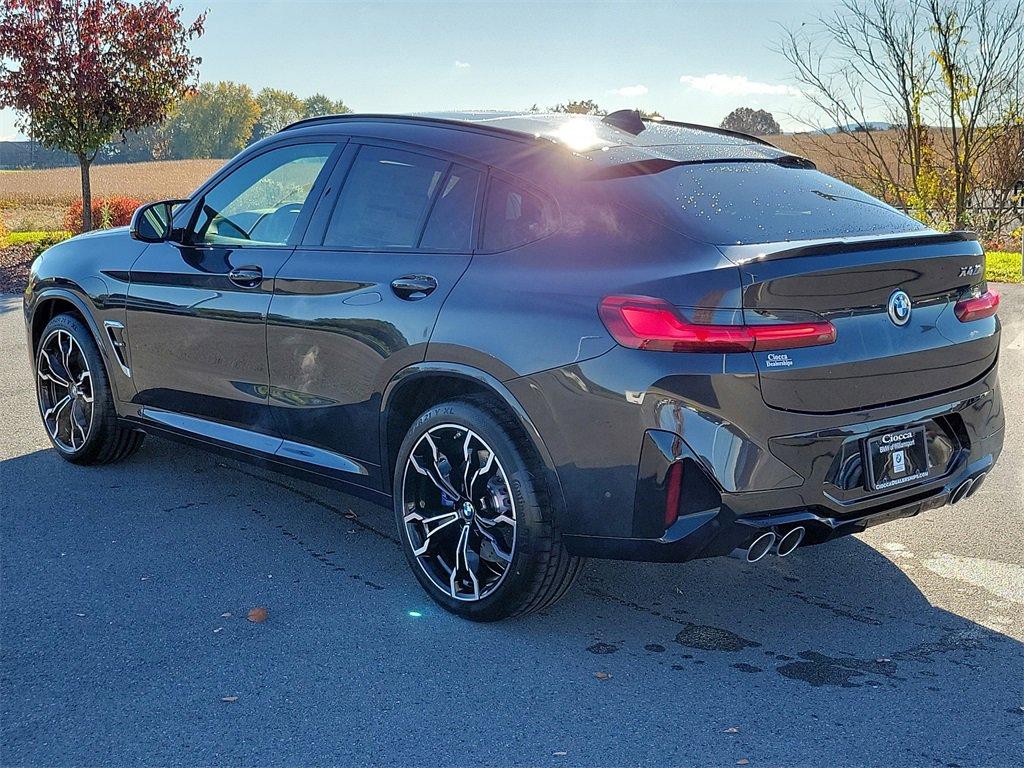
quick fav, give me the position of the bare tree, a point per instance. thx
(1001, 179)
(954, 65)
(977, 45)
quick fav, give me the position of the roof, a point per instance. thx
(592, 135)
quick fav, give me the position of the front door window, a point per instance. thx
(260, 203)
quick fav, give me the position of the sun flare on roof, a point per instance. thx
(578, 135)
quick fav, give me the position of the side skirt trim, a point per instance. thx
(311, 458)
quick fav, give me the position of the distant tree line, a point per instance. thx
(591, 107)
(219, 120)
(215, 120)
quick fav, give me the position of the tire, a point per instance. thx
(74, 397)
(433, 521)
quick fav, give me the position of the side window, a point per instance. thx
(259, 203)
(450, 226)
(385, 199)
(514, 216)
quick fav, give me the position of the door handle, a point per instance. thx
(414, 287)
(246, 277)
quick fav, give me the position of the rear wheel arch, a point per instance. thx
(415, 389)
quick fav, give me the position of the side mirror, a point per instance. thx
(152, 223)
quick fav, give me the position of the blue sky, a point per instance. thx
(692, 61)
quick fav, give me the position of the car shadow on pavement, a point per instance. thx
(134, 579)
(9, 302)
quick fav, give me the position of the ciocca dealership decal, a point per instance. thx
(777, 360)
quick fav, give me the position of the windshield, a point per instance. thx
(759, 202)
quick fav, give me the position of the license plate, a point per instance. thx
(897, 458)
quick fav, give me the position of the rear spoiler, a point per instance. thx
(744, 254)
(655, 165)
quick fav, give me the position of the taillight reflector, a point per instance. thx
(673, 490)
(977, 308)
(642, 322)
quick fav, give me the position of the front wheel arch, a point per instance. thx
(56, 301)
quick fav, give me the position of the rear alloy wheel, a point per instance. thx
(74, 396)
(461, 524)
(473, 518)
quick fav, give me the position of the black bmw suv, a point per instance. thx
(539, 338)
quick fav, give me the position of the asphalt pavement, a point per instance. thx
(124, 592)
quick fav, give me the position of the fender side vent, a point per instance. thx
(115, 333)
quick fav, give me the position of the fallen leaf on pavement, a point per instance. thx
(229, 699)
(602, 676)
(734, 729)
(258, 615)
(559, 754)
(218, 629)
(351, 515)
(225, 615)
(743, 761)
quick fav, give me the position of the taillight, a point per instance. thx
(978, 307)
(642, 322)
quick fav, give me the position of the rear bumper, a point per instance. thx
(722, 530)
(746, 467)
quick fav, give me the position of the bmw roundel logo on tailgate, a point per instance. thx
(899, 308)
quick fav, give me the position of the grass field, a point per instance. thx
(37, 199)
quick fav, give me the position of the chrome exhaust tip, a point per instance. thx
(790, 541)
(961, 490)
(977, 484)
(760, 547)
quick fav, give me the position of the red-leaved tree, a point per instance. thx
(82, 71)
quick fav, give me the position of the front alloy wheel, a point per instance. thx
(65, 390)
(75, 399)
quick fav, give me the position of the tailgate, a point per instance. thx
(875, 360)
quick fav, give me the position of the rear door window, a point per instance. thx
(515, 216)
(385, 199)
(450, 226)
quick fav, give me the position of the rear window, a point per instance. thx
(740, 203)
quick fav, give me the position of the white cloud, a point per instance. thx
(630, 91)
(461, 64)
(737, 85)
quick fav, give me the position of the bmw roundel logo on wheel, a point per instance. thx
(899, 308)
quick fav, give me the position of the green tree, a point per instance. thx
(83, 71)
(277, 109)
(581, 107)
(318, 104)
(215, 121)
(756, 122)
